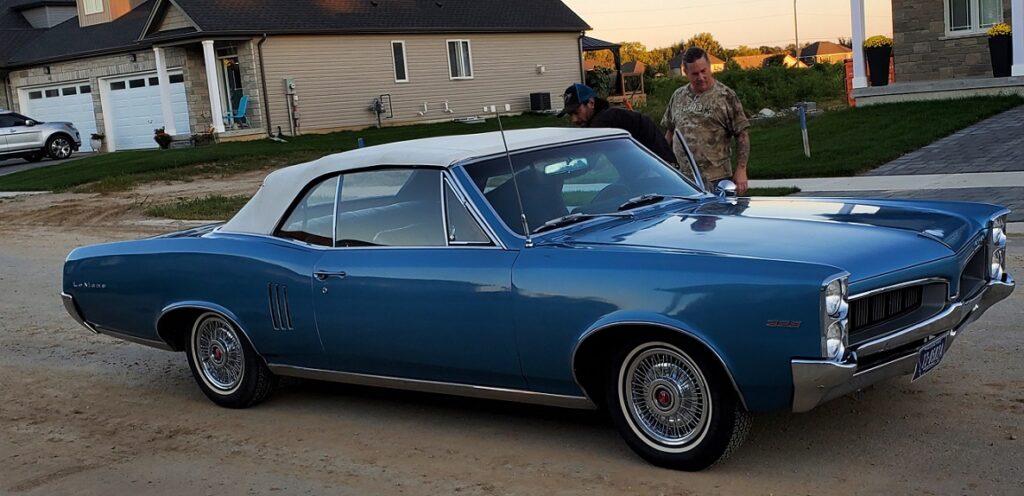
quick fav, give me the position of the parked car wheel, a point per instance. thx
(35, 157)
(59, 147)
(225, 365)
(674, 407)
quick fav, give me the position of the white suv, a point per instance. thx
(21, 137)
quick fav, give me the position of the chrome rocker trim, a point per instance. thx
(818, 381)
(72, 309)
(467, 390)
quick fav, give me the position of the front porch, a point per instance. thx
(940, 51)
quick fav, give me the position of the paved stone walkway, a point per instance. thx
(993, 145)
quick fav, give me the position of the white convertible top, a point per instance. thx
(264, 210)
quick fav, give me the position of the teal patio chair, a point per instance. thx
(239, 115)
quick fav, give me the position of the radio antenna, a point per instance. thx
(515, 183)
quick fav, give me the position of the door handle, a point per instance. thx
(323, 275)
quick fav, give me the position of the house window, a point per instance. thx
(177, 78)
(93, 6)
(154, 81)
(120, 85)
(52, 93)
(35, 95)
(85, 89)
(972, 16)
(137, 83)
(460, 59)
(398, 57)
(69, 91)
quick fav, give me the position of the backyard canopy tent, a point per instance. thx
(596, 45)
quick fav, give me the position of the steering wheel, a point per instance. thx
(610, 192)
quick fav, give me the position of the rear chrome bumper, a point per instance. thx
(818, 381)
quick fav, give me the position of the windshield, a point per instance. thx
(586, 178)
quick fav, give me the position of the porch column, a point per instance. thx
(216, 107)
(165, 91)
(1017, 21)
(860, 80)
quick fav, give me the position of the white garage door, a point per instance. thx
(135, 105)
(69, 102)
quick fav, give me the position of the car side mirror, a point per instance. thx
(30, 123)
(726, 188)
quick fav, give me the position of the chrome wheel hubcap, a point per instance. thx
(666, 396)
(219, 354)
(60, 148)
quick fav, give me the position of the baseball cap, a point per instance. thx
(575, 96)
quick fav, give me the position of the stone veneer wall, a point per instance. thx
(4, 103)
(190, 60)
(922, 53)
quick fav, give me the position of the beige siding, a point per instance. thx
(337, 77)
(174, 18)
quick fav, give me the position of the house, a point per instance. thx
(125, 67)
(675, 64)
(633, 68)
(825, 52)
(767, 59)
(940, 50)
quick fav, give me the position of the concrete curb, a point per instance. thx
(15, 194)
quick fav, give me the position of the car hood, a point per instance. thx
(863, 237)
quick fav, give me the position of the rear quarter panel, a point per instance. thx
(126, 286)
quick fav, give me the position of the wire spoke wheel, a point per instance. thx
(665, 396)
(219, 354)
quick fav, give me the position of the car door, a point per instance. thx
(6, 127)
(413, 287)
(21, 136)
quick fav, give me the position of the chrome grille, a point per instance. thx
(280, 313)
(875, 309)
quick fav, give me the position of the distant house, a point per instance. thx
(821, 52)
(940, 50)
(593, 64)
(633, 68)
(766, 59)
(125, 67)
(675, 65)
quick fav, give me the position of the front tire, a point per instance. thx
(59, 147)
(225, 365)
(675, 407)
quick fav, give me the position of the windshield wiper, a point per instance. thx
(649, 199)
(570, 219)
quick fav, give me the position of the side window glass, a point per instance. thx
(462, 227)
(312, 220)
(396, 207)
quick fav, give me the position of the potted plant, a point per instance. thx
(96, 140)
(878, 50)
(162, 138)
(1000, 47)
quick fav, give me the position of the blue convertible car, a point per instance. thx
(575, 270)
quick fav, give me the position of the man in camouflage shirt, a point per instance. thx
(710, 115)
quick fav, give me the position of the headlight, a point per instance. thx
(835, 294)
(999, 232)
(835, 340)
(835, 322)
(998, 264)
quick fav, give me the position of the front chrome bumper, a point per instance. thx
(818, 381)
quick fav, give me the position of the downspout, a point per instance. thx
(7, 91)
(263, 81)
(583, 69)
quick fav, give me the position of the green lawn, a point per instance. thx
(213, 207)
(843, 142)
(123, 170)
(851, 141)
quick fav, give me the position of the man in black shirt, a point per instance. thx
(586, 109)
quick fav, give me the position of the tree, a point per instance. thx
(707, 42)
(846, 42)
(634, 50)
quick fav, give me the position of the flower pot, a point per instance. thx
(1001, 49)
(878, 64)
(96, 144)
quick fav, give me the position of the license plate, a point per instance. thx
(929, 357)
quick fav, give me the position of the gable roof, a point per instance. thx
(69, 40)
(824, 48)
(230, 17)
(15, 31)
(633, 67)
(751, 61)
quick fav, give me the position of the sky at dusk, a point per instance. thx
(659, 23)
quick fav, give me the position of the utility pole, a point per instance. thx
(796, 34)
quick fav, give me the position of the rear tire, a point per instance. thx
(225, 365)
(35, 157)
(674, 406)
(59, 146)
